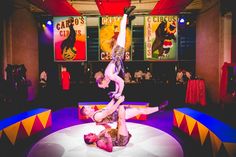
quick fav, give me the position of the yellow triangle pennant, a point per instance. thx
(178, 116)
(142, 106)
(28, 124)
(12, 132)
(43, 117)
(190, 123)
(138, 116)
(100, 106)
(215, 143)
(202, 132)
(230, 148)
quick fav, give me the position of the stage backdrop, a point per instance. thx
(160, 38)
(69, 38)
(108, 33)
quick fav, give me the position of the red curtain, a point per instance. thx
(112, 7)
(56, 7)
(169, 7)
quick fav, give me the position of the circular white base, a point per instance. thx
(146, 141)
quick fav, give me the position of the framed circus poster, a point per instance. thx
(109, 27)
(69, 34)
(160, 38)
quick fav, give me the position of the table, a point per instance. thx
(196, 92)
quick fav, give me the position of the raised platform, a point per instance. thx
(217, 136)
(100, 105)
(24, 124)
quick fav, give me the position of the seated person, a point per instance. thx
(182, 76)
(127, 77)
(148, 75)
(138, 75)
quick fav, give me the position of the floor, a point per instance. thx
(67, 116)
(145, 141)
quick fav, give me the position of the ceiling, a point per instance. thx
(114, 7)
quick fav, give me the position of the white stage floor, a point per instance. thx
(146, 141)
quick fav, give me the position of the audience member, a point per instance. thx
(138, 75)
(65, 79)
(182, 76)
(43, 79)
(148, 75)
(127, 77)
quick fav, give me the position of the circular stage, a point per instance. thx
(146, 141)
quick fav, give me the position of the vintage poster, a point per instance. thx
(108, 33)
(160, 38)
(69, 38)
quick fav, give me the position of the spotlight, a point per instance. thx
(181, 20)
(43, 25)
(49, 22)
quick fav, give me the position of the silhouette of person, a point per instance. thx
(67, 46)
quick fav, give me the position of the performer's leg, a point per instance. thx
(132, 112)
(122, 34)
(121, 124)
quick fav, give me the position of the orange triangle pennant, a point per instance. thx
(137, 117)
(178, 116)
(202, 132)
(190, 123)
(28, 124)
(43, 117)
(12, 131)
(215, 143)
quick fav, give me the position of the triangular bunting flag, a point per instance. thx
(37, 126)
(137, 117)
(49, 122)
(28, 124)
(202, 132)
(143, 117)
(100, 106)
(195, 133)
(183, 126)
(12, 131)
(222, 151)
(207, 145)
(190, 123)
(179, 116)
(43, 117)
(215, 143)
(95, 107)
(230, 148)
(175, 121)
(22, 132)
